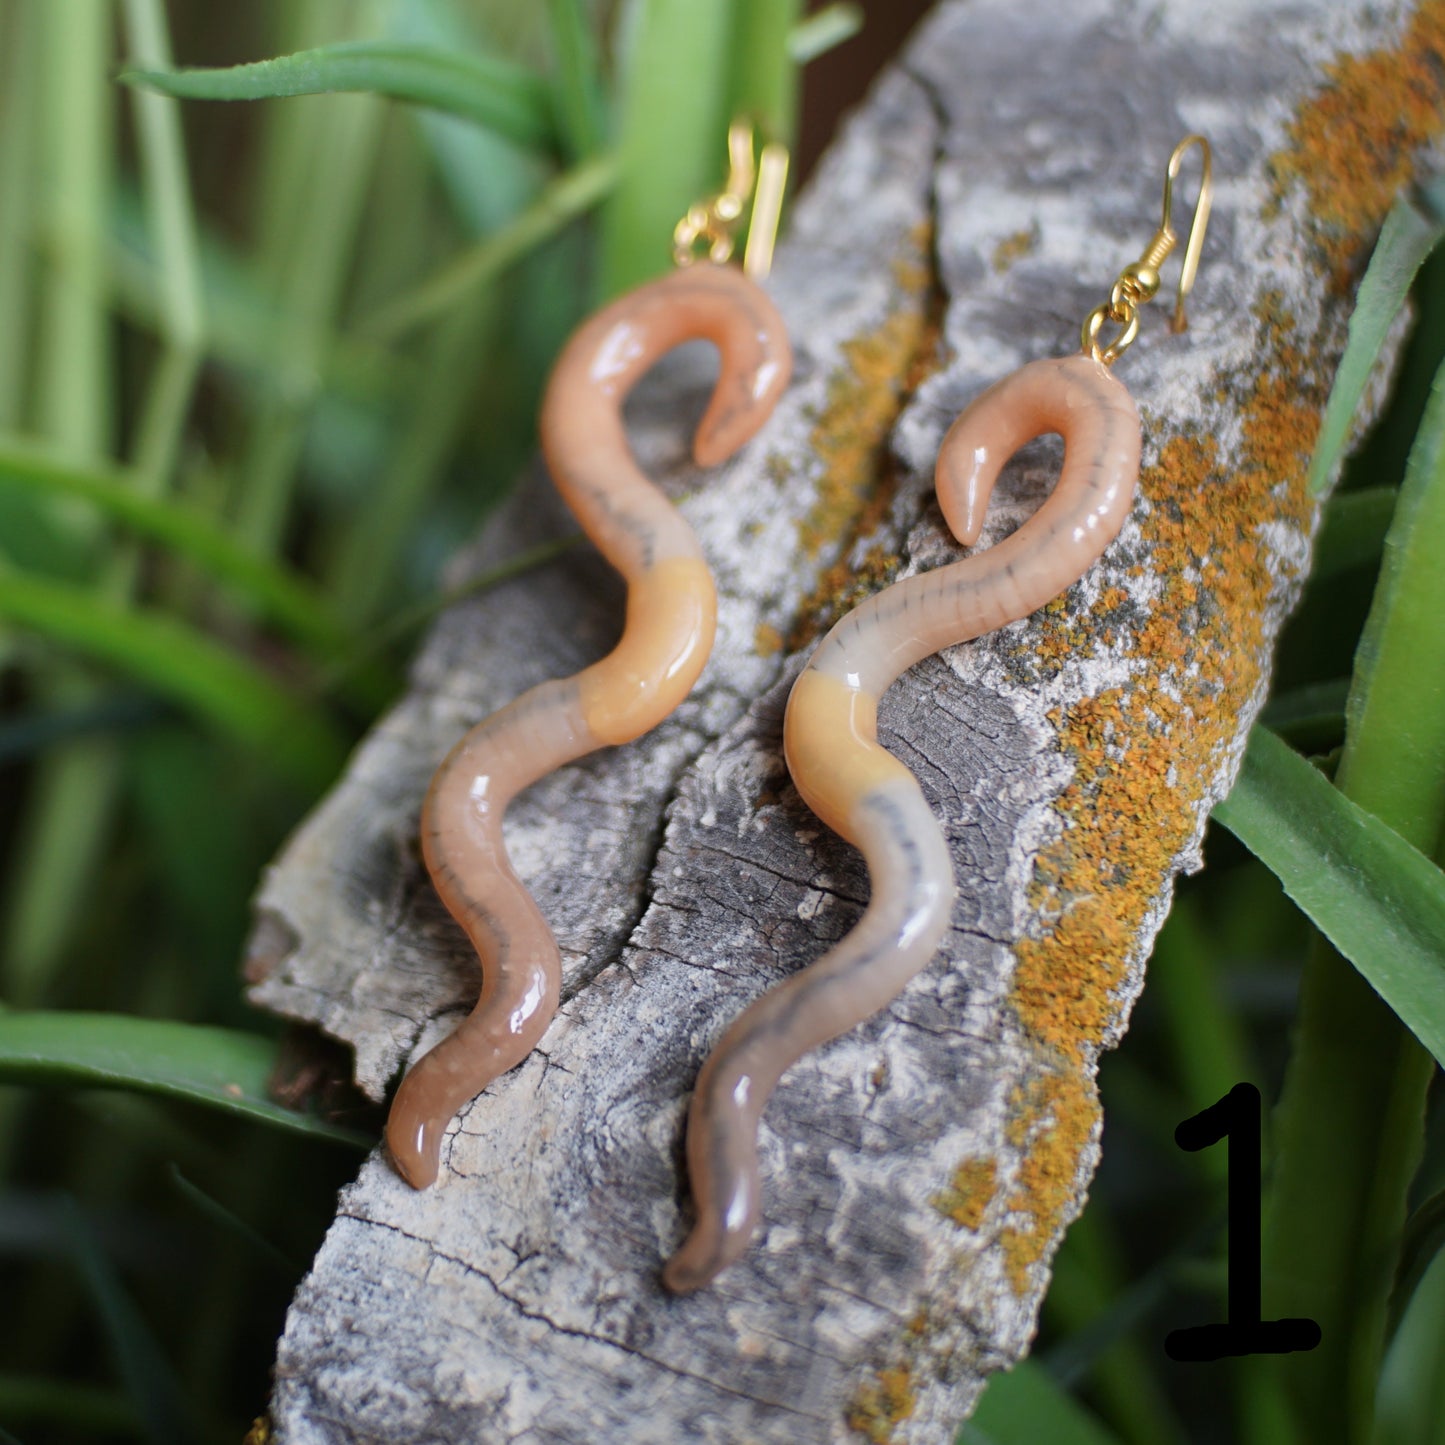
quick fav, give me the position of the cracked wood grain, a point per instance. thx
(920, 1171)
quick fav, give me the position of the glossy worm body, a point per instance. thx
(867, 795)
(671, 615)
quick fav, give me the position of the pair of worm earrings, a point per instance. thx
(830, 731)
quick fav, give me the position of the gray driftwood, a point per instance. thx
(919, 1172)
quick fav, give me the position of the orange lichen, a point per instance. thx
(1130, 812)
(1052, 1118)
(845, 584)
(767, 640)
(879, 1406)
(1352, 145)
(1014, 247)
(884, 367)
(966, 1198)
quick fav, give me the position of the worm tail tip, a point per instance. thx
(691, 1269)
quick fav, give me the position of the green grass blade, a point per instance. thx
(571, 195)
(445, 400)
(91, 1408)
(174, 375)
(487, 177)
(224, 1069)
(278, 593)
(1407, 238)
(341, 152)
(1352, 531)
(1027, 1407)
(289, 137)
(161, 429)
(673, 140)
(75, 373)
(576, 85)
(200, 675)
(1310, 717)
(1096, 1313)
(1395, 765)
(1208, 1041)
(1423, 1242)
(68, 806)
(1380, 901)
(1411, 1402)
(229, 1222)
(489, 92)
(245, 326)
(167, 189)
(18, 136)
(71, 808)
(764, 81)
(27, 734)
(166, 1415)
(823, 30)
(35, 538)
(395, 628)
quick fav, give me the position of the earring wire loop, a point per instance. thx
(767, 209)
(1138, 282)
(1190, 267)
(715, 222)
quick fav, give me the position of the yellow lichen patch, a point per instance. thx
(879, 1405)
(1146, 754)
(1071, 1006)
(844, 585)
(1352, 144)
(1052, 1118)
(1014, 247)
(767, 640)
(881, 370)
(850, 436)
(966, 1198)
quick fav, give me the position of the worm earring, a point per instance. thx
(866, 794)
(671, 617)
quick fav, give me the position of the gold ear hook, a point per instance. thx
(1138, 282)
(715, 221)
(767, 208)
(1197, 225)
(740, 161)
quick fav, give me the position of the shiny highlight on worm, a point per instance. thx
(864, 793)
(671, 617)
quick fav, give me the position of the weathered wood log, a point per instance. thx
(919, 1172)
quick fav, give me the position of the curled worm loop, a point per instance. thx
(671, 615)
(864, 793)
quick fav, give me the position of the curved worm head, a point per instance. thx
(1075, 396)
(611, 351)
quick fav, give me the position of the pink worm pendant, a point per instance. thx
(671, 616)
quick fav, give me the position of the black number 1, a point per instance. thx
(1236, 1117)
